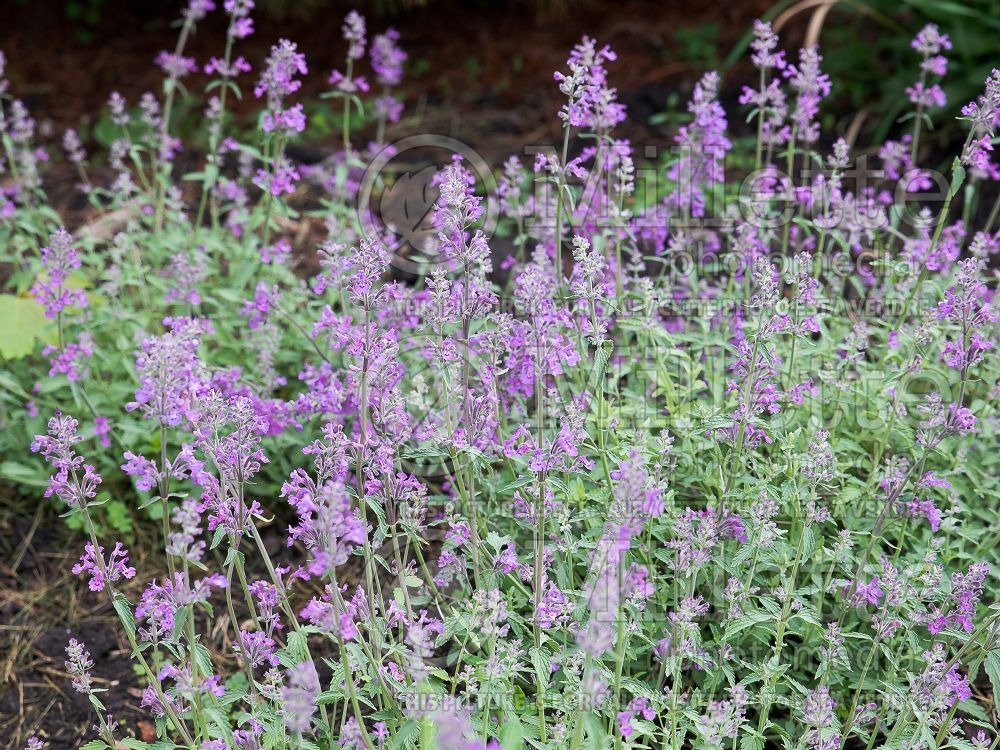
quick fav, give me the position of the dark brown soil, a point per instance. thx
(483, 73)
(42, 606)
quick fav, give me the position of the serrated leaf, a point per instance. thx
(601, 359)
(751, 742)
(540, 661)
(297, 646)
(440, 674)
(124, 610)
(330, 696)
(217, 718)
(232, 696)
(406, 735)
(746, 621)
(203, 659)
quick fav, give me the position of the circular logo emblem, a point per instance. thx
(397, 193)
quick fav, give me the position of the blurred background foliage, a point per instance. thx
(865, 42)
(866, 46)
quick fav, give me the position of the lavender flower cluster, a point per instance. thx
(533, 502)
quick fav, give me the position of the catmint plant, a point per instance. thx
(695, 466)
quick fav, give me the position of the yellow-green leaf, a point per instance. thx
(22, 324)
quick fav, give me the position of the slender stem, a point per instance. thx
(171, 87)
(163, 483)
(938, 230)
(789, 166)
(779, 637)
(539, 530)
(620, 645)
(994, 212)
(345, 659)
(213, 146)
(919, 116)
(283, 599)
(946, 724)
(359, 478)
(760, 120)
(346, 128)
(741, 430)
(401, 572)
(136, 651)
(857, 692)
(675, 680)
(578, 721)
(560, 186)
(196, 675)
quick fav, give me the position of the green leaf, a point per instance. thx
(118, 517)
(603, 356)
(96, 702)
(295, 652)
(406, 735)
(596, 736)
(751, 742)
(22, 324)
(202, 658)
(512, 734)
(972, 708)
(7, 382)
(124, 610)
(232, 696)
(540, 660)
(180, 621)
(428, 735)
(217, 718)
(957, 178)
(993, 670)
(510, 486)
(94, 745)
(21, 474)
(745, 621)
